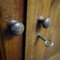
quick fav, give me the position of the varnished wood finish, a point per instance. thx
(12, 45)
(46, 8)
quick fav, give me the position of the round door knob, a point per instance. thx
(16, 27)
(46, 23)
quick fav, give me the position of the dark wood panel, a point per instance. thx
(12, 46)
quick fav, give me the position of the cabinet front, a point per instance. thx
(43, 30)
(11, 20)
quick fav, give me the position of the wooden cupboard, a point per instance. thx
(35, 49)
(25, 46)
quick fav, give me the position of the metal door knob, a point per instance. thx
(16, 27)
(47, 42)
(44, 22)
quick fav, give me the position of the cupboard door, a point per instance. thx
(35, 49)
(11, 45)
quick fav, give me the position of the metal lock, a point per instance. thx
(42, 21)
(47, 42)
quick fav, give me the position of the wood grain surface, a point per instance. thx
(11, 46)
(35, 50)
